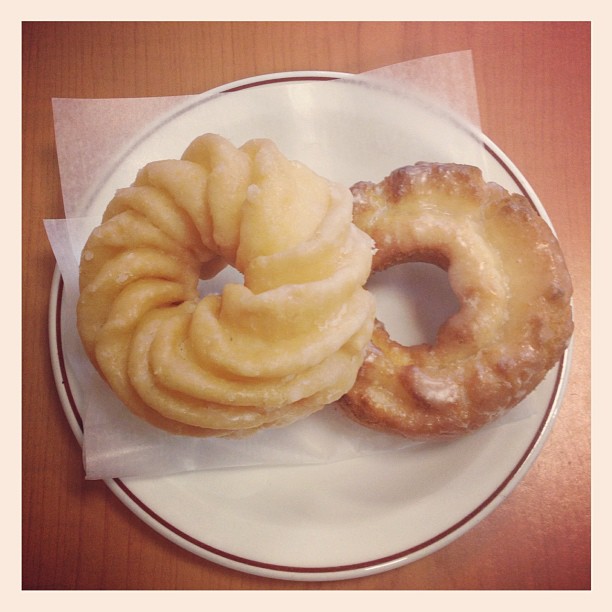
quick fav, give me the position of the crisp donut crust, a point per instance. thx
(507, 270)
(264, 353)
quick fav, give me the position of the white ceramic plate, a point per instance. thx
(374, 513)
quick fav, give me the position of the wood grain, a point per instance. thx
(533, 83)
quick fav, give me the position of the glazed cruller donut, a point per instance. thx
(264, 353)
(506, 268)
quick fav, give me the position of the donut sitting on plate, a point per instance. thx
(507, 270)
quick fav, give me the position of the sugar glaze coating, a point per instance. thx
(264, 353)
(507, 270)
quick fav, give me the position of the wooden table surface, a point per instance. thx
(533, 84)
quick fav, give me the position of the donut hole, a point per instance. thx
(413, 300)
(215, 284)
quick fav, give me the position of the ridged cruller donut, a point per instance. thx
(507, 270)
(264, 353)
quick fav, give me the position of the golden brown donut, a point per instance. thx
(264, 353)
(507, 270)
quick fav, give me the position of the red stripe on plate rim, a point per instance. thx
(123, 491)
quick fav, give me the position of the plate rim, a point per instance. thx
(121, 488)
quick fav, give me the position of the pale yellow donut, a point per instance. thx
(264, 353)
(507, 270)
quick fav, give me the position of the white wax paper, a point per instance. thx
(91, 133)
